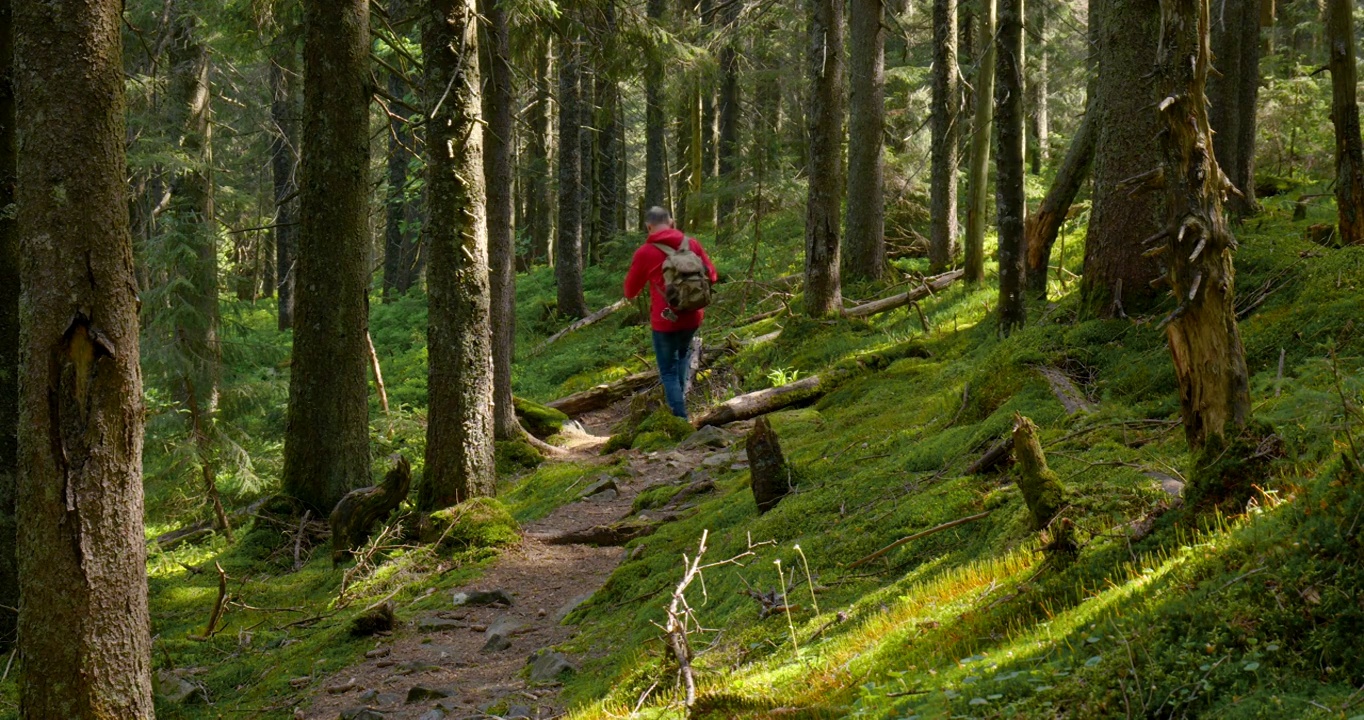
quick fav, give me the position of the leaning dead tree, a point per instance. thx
(355, 515)
(937, 283)
(1195, 246)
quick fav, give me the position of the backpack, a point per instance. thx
(686, 284)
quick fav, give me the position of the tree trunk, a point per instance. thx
(568, 251)
(326, 446)
(609, 177)
(539, 194)
(729, 149)
(9, 337)
(1345, 115)
(866, 241)
(400, 153)
(978, 172)
(588, 131)
(1044, 226)
(1010, 202)
(824, 63)
(655, 173)
(772, 478)
(84, 629)
(1233, 92)
(283, 152)
(459, 434)
(1039, 120)
(497, 165)
(1205, 343)
(1125, 33)
(942, 247)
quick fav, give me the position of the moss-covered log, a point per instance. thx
(355, 515)
(1041, 487)
(539, 420)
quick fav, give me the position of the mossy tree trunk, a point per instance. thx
(978, 170)
(946, 103)
(283, 161)
(1041, 487)
(1205, 343)
(84, 627)
(9, 337)
(1116, 276)
(459, 433)
(865, 256)
(823, 206)
(1345, 115)
(568, 249)
(498, 140)
(326, 445)
(1010, 203)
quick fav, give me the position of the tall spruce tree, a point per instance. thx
(865, 255)
(942, 243)
(568, 248)
(978, 169)
(1345, 116)
(9, 338)
(1010, 201)
(84, 626)
(824, 63)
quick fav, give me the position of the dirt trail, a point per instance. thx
(545, 581)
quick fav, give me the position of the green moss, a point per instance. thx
(652, 441)
(477, 522)
(656, 496)
(619, 441)
(665, 422)
(514, 456)
(539, 420)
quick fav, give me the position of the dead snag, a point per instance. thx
(997, 453)
(930, 285)
(357, 512)
(1044, 226)
(1041, 488)
(771, 474)
(1197, 247)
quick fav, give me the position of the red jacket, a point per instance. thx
(647, 268)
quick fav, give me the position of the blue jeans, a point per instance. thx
(672, 350)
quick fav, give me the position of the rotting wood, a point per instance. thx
(1064, 389)
(916, 536)
(219, 606)
(378, 373)
(200, 530)
(1041, 487)
(930, 285)
(577, 325)
(998, 452)
(770, 472)
(355, 515)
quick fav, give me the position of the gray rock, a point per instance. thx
(415, 666)
(175, 690)
(421, 693)
(433, 714)
(519, 712)
(603, 496)
(497, 596)
(549, 666)
(720, 459)
(369, 695)
(362, 713)
(499, 634)
(604, 483)
(708, 436)
(433, 623)
(569, 607)
(1171, 486)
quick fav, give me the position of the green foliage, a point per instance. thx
(475, 523)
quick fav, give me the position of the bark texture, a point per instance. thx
(942, 244)
(84, 627)
(1345, 115)
(824, 60)
(326, 446)
(865, 256)
(978, 171)
(9, 336)
(1205, 343)
(772, 477)
(568, 249)
(1044, 226)
(283, 161)
(1233, 92)
(655, 173)
(497, 166)
(539, 193)
(1010, 203)
(1126, 35)
(609, 179)
(398, 238)
(459, 434)
(729, 126)
(1039, 114)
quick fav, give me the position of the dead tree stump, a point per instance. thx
(354, 517)
(770, 473)
(1041, 488)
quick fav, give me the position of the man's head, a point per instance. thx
(656, 219)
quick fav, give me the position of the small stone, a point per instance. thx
(519, 712)
(604, 496)
(432, 623)
(637, 552)
(708, 436)
(415, 666)
(603, 484)
(433, 714)
(385, 663)
(420, 693)
(378, 653)
(483, 597)
(361, 713)
(499, 635)
(173, 689)
(369, 695)
(541, 613)
(719, 459)
(549, 666)
(344, 687)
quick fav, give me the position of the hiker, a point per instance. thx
(679, 275)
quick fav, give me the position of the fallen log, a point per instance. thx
(992, 457)
(355, 515)
(600, 396)
(201, 530)
(592, 319)
(762, 402)
(1065, 391)
(929, 286)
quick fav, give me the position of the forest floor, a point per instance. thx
(441, 664)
